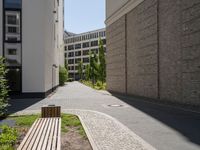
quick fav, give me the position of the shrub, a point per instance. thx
(62, 75)
(8, 136)
(3, 89)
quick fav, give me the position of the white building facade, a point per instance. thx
(31, 40)
(78, 48)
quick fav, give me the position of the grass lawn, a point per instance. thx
(98, 85)
(11, 137)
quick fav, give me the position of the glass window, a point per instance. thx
(104, 41)
(78, 53)
(12, 3)
(77, 60)
(11, 19)
(94, 43)
(86, 44)
(11, 29)
(70, 47)
(71, 61)
(86, 60)
(12, 51)
(86, 52)
(71, 54)
(77, 46)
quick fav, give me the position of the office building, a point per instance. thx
(78, 47)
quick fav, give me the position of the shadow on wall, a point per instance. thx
(185, 122)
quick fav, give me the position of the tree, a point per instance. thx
(102, 62)
(93, 67)
(62, 75)
(3, 89)
(80, 69)
(66, 67)
(88, 72)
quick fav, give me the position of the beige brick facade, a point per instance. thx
(154, 51)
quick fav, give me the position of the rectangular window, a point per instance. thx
(11, 29)
(71, 54)
(70, 47)
(65, 48)
(77, 46)
(77, 60)
(13, 4)
(78, 53)
(86, 52)
(86, 44)
(12, 39)
(12, 19)
(94, 43)
(12, 51)
(71, 61)
(104, 41)
(86, 60)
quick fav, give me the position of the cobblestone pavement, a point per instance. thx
(105, 132)
(165, 128)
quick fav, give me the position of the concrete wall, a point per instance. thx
(33, 47)
(162, 49)
(1, 28)
(115, 56)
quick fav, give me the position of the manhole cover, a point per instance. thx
(115, 105)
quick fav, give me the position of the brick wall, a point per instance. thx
(142, 50)
(154, 51)
(115, 56)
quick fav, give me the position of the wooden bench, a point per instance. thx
(44, 134)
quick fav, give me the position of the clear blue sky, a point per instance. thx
(84, 15)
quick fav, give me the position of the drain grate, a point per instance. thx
(115, 105)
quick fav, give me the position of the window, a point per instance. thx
(65, 48)
(78, 53)
(71, 61)
(77, 46)
(11, 19)
(12, 39)
(12, 3)
(71, 54)
(104, 41)
(94, 43)
(95, 50)
(85, 44)
(70, 47)
(86, 52)
(86, 60)
(65, 55)
(11, 29)
(77, 60)
(12, 51)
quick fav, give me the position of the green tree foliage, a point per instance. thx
(94, 67)
(66, 67)
(80, 69)
(88, 72)
(62, 75)
(3, 89)
(102, 62)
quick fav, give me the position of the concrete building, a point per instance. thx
(153, 49)
(78, 47)
(31, 40)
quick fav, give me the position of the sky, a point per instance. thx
(84, 15)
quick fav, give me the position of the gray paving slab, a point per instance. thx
(165, 128)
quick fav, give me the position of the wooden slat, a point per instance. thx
(30, 132)
(59, 135)
(51, 135)
(40, 128)
(39, 137)
(43, 135)
(55, 135)
(44, 146)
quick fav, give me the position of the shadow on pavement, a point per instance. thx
(21, 104)
(185, 122)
